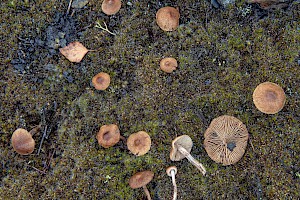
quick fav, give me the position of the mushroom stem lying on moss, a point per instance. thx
(147, 192)
(172, 171)
(192, 160)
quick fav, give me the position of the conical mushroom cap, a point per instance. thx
(108, 135)
(186, 142)
(226, 140)
(22, 141)
(140, 179)
(269, 98)
(139, 143)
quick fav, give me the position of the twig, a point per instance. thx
(98, 25)
(43, 137)
(69, 7)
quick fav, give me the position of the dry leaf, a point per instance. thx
(74, 52)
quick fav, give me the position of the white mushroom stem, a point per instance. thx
(192, 160)
(174, 184)
(147, 192)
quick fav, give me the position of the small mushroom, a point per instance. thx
(269, 98)
(141, 179)
(108, 135)
(101, 81)
(172, 171)
(226, 140)
(111, 7)
(139, 143)
(181, 148)
(22, 141)
(167, 18)
(168, 64)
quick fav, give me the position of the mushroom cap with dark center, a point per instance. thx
(139, 143)
(186, 142)
(168, 64)
(226, 140)
(101, 81)
(22, 141)
(108, 135)
(140, 179)
(269, 98)
(167, 18)
(111, 7)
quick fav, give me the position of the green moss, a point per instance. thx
(222, 54)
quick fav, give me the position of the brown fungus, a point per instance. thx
(101, 81)
(141, 179)
(181, 148)
(111, 7)
(226, 140)
(167, 18)
(22, 141)
(168, 64)
(108, 135)
(139, 143)
(269, 98)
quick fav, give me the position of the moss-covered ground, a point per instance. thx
(223, 55)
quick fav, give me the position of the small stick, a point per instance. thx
(43, 137)
(98, 25)
(69, 7)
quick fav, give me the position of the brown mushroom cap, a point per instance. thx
(167, 18)
(269, 98)
(22, 141)
(111, 7)
(226, 140)
(108, 135)
(169, 169)
(186, 142)
(101, 81)
(168, 64)
(139, 143)
(140, 179)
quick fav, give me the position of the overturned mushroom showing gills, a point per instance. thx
(172, 171)
(226, 140)
(181, 148)
(22, 141)
(141, 179)
(108, 135)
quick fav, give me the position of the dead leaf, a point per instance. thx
(74, 52)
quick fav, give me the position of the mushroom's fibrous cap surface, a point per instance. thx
(168, 64)
(269, 98)
(22, 141)
(101, 81)
(184, 141)
(167, 18)
(139, 143)
(108, 135)
(140, 179)
(111, 7)
(226, 140)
